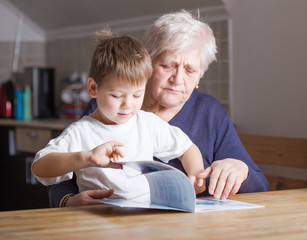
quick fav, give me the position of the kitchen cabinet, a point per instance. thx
(19, 141)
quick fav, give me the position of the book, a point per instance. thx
(172, 190)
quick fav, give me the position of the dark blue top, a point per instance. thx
(208, 125)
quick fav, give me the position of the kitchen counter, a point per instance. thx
(44, 123)
(20, 141)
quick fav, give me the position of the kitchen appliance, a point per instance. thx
(41, 81)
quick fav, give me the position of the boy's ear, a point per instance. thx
(92, 87)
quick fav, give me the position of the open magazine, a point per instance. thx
(171, 189)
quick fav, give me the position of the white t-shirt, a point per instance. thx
(144, 136)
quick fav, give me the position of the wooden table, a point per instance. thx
(283, 217)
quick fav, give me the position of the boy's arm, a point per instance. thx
(56, 164)
(192, 162)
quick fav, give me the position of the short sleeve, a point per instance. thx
(59, 144)
(170, 142)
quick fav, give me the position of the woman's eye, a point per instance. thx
(189, 70)
(165, 66)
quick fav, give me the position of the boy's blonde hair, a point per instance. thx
(122, 56)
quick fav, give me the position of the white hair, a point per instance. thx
(178, 32)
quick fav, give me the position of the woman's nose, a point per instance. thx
(177, 76)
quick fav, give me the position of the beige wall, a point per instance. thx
(268, 66)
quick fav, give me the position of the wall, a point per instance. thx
(216, 79)
(268, 70)
(69, 50)
(9, 15)
(70, 55)
(32, 49)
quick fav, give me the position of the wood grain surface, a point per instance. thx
(283, 217)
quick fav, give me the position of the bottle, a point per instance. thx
(27, 104)
(18, 102)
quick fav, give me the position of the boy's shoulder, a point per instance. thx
(81, 123)
(148, 116)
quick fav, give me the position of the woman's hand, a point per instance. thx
(84, 198)
(226, 177)
(102, 155)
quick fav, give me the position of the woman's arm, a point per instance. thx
(233, 171)
(58, 192)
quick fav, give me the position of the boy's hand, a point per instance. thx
(199, 184)
(102, 155)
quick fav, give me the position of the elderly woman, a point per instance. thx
(181, 48)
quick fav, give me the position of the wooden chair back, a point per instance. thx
(283, 160)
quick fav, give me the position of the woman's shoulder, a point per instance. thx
(198, 96)
(204, 102)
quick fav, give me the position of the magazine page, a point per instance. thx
(171, 189)
(202, 205)
(209, 204)
(168, 186)
(135, 204)
(147, 166)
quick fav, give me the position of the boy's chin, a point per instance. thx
(122, 121)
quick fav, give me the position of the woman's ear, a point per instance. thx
(92, 87)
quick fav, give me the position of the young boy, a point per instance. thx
(91, 146)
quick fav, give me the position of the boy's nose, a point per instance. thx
(126, 103)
